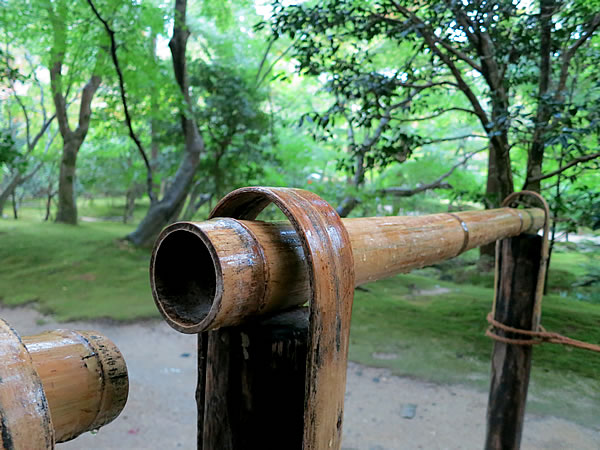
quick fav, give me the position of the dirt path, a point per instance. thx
(160, 412)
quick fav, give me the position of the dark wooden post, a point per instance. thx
(252, 384)
(519, 266)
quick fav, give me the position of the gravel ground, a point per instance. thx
(160, 412)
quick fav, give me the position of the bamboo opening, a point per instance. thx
(185, 277)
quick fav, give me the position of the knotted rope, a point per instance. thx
(538, 335)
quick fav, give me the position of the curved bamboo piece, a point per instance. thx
(206, 275)
(73, 382)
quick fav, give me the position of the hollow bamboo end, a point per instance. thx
(206, 275)
(185, 277)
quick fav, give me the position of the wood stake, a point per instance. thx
(255, 377)
(519, 267)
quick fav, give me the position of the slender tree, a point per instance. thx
(72, 138)
(165, 210)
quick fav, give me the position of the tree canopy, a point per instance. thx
(372, 104)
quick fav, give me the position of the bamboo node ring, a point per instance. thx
(465, 229)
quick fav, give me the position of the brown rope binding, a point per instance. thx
(539, 335)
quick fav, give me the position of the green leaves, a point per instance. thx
(8, 151)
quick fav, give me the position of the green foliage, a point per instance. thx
(387, 66)
(230, 116)
(8, 152)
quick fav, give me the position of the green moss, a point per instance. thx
(440, 337)
(74, 272)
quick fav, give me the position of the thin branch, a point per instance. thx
(264, 59)
(568, 55)
(436, 184)
(270, 68)
(408, 192)
(456, 52)
(40, 86)
(454, 138)
(350, 127)
(41, 163)
(427, 85)
(45, 125)
(437, 114)
(572, 163)
(368, 142)
(18, 98)
(431, 41)
(132, 135)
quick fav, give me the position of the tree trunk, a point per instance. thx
(535, 155)
(14, 204)
(350, 202)
(166, 210)
(499, 179)
(129, 205)
(48, 204)
(8, 190)
(487, 252)
(511, 364)
(67, 205)
(347, 205)
(197, 199)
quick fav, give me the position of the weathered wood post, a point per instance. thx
(520, 274)
(519, 266)
(251, 384)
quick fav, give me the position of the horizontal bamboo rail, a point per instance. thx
(206, 275)
(57, 385)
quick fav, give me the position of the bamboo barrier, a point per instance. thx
(57, 385)
(206, 275)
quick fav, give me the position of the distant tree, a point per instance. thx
(27, 123)
(68, 25)
(169, 207)
(222, 123)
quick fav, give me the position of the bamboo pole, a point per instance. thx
(206, 275)
(84, 377)
(56, 385)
